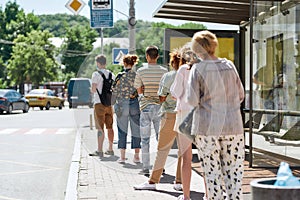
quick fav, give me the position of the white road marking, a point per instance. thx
(35, 131)
(8, 131)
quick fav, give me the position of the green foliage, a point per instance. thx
(89, 65)
(2, 23)
(119, 30)
(2, 69)
(13, 22)
(32, 59)
(11, 11)
(78, 45)
(163, 25)
(59, 23)
(191, 25)
(3, 84)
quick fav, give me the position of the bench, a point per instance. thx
(273, 128)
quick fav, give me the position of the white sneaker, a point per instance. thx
(145, 186)
(181, 197)
(177, 186)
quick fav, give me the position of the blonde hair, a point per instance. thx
(205, 43)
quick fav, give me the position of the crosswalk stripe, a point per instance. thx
(37, 131)
(8, 131)
(65, 131)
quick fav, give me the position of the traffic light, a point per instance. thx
(101, 4)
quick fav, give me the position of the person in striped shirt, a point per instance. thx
(146, 82)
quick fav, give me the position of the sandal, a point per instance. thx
(121, 161)
(97, 153)
(111, 153)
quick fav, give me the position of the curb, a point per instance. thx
(71, 189)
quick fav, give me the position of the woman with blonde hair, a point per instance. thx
(127, 109)
(217, 92)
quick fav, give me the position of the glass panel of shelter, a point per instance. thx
(276, 77)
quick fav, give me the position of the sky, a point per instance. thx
(144, 10)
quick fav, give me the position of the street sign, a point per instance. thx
(118, 54)
(75, 6)
(101, 4)
(101, 13)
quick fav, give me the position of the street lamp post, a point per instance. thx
(131, 26)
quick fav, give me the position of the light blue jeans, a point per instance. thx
(128, 110)
(149, 115)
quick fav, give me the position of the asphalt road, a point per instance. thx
(36, 150)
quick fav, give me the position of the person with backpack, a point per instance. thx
(127, 109)
(102, 81)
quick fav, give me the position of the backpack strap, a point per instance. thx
(103, 76)
(119, 76)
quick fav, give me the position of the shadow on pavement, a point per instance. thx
(166, 178)
(194, 195)
(133, 166)
(110, 158)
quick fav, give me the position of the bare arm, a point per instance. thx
(94, 86)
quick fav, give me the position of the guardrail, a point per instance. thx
(272, 129)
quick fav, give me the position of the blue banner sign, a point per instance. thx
(118, 54)
(101, 13)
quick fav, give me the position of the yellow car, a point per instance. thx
(44, 98)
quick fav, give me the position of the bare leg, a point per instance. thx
(122, 151)
(137, 154)
(185, 148)
(186, 171)
(110, 135)
(100, 141)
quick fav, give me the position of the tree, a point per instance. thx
(191, 25)
(78, 45)
(57, 24)
(32, 59)
(3, 83)
(11, 11)
(15, 22)
(119, 30)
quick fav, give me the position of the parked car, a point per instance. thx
(11, 100)
(79, 92)
(44, 98)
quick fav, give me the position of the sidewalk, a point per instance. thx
(106, 179)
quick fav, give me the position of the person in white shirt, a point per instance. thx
(103, 114)
(178, 91)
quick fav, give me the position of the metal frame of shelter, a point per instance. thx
(233, 12)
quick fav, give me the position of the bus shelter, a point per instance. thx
(268, 64)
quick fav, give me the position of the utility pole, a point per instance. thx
(101, 34)
(131, 27)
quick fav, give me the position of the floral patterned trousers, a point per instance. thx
(222, 161)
